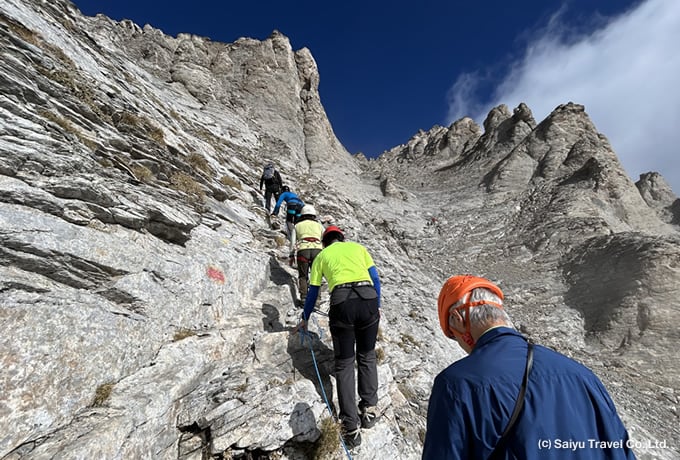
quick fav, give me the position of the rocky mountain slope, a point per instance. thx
(146, 304)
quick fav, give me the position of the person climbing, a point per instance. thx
(474, 409)
(293, 207)
(271, 179)
(306, 241)
(354, 317)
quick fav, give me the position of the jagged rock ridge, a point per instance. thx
(148, 302)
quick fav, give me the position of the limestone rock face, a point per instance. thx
(658, 195)
(146, 303)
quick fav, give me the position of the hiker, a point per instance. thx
(354, 317)
(306, 240)
(271, 179)
(293, 207)
(472, 400)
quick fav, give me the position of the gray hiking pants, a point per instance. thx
(354, 323)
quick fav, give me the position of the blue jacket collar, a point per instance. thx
(493, 333)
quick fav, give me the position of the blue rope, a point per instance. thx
(304, 333)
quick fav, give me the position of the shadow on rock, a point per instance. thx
(303, 362)
(675, 212)
(279, 276)
(271, 321)
(258, 199)
(303, 423)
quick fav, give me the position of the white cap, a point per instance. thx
(308, 210)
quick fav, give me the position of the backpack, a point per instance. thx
(268, 172)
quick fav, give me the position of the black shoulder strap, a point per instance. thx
(519, 404)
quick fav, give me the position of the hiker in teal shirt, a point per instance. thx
(293, 207)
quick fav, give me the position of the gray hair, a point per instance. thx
(484, 315)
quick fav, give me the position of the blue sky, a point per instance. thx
(388, 69)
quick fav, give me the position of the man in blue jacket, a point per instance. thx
(294, 206)
(566, 413)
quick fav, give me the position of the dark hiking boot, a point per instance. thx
(352, 438)
(369, 416)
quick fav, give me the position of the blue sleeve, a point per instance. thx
(310, 301)
(279, 202)
(376, 281)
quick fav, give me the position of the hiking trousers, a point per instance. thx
(354, 324)
(305, 257)
(268, 198)
(292, 214)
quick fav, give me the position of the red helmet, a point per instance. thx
(332, 232)
(455, 289)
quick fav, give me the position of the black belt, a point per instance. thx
(354, 284)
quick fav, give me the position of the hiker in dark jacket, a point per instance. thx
(293, 207)
(271, 179)
(566, 413)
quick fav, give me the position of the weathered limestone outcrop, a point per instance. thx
(658, 195)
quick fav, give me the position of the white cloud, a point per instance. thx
(626, 73)
(462, 99)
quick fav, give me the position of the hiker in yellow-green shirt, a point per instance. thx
(306, 241)
(354, 317)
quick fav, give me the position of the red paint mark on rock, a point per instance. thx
(216, 274)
